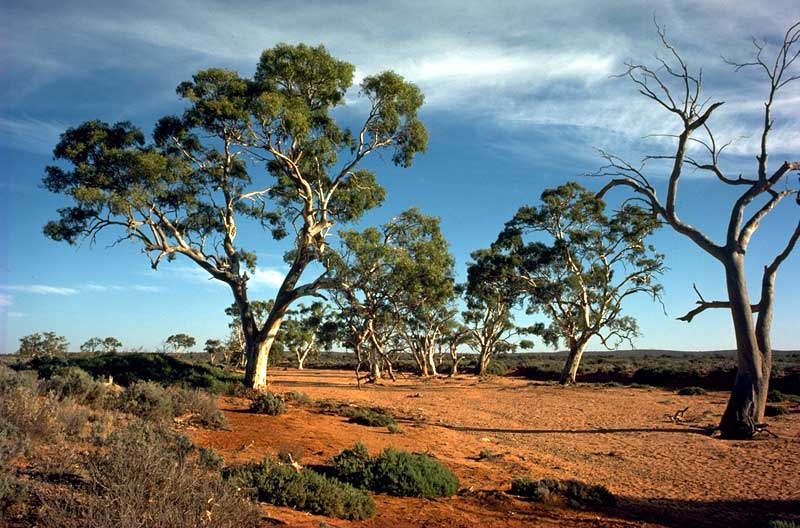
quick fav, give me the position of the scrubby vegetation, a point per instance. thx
(691, 391)
(395, 472)
(573, 492)
(304, 489)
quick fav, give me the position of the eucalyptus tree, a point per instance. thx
(307, 330)
(92, 345)
(423, 273)
(675, 89)
(47, 344)
(180, 342)
(111, 345)
(492, 293)
(265, 151)
(581, 265)
(454, 335)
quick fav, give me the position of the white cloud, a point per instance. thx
(146, 289)
(30, 134)
(268, 277)
(41, 289)
(5, 300)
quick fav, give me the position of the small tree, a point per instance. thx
(46, 344)
(215, 347)
(111, 345)
(92, 345)
(493, 290)
(674, 88)
(180, 342)
(588, 266)
(305, 331)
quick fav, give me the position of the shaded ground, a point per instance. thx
(665, 474)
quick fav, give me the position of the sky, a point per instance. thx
(519, 97)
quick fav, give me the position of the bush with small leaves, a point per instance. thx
(301, 398)
(776, 396)
(200, 407)
(573, 492)
(306, 490)
(395, 428)
(210, 459)
(147, 400)
(691, 391)
(395, 472)
(268, 403)
(781, 523)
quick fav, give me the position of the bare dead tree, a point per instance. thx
(678, 91)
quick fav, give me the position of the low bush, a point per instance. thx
(775, 410)
(496, 368)
(488, 454)
(301, 398)
(268, 403)
(151, 401)
(146, 477)
(77, 384)
(369, 417)
(395, 472)
(395, 428)
(210, 459)
(691, 391)
(282, 485)
(781, 523)
(573, 492)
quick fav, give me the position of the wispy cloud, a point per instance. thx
(94, 287)
(267, 277)
(40, 289)
(30, 134)
(5, 300)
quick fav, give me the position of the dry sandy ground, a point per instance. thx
(664, 474)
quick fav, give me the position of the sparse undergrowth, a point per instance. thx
(151, 401)
(395, 472)
(775, 410)
(307, 490)
(571, 492)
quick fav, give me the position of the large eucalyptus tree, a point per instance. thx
(265, 150)
(678, 91)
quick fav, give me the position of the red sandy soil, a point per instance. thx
(663, 473)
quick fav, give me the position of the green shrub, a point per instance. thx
(776, 396)
(77, 384)
(574, 492)
(306, 490)
(395, 428)
(148, 400)
(12, 489)
(210, 459)
(691, 391)
(268, 403)
(369, 417)
(395, 472)
(146, 477)
(298, 397)
(496, 368)
(488, 454)
(775, 410)
(151, 401)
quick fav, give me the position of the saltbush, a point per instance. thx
(369, 417)
(573, 492)
(775, 410)
(691, 391)
(306, 490)
(77, 384)
(268, 403)
(395, 472)
(151, 401)
(776, 396)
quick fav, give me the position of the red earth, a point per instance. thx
(663, 472)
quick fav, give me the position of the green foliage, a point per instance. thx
(691, 391)
(395, 428)
(145, 476)
(98, 344)
(42, 345)
(395, 472)
(126, 369)
(268, 403)
(301, 398)
(306, 490)
(781, 523)
(574, 492)
(776, 396)
(210, 459)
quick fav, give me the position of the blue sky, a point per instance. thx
(518, 96)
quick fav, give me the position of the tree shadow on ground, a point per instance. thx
(680, 513)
